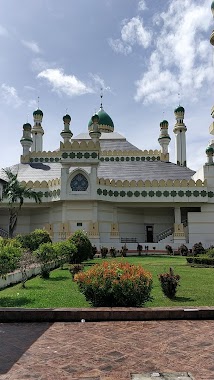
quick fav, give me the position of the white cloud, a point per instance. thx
(119, 47)
(67, 84)
(99, 83)
(32, 103)
(3, 31)
(142, 5)
(32, 45)
(9, 96)
(133, 32)
(182, 58)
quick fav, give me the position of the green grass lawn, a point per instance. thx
(197, 286)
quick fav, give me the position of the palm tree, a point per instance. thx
(15, 193)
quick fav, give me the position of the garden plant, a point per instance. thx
(113, 283)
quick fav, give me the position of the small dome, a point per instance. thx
(105, 122)
(164, 123)
(209, 150)
(95, 119)
(67, 117)
(179, 109)
(38, 112)
(27, 127)
(212, 5)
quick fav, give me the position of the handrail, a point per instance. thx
(162, 235)
(3, 233)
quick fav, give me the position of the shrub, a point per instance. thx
(33, 240)
(124, 251)
(201, 260)
(183, 250)
(64, 252)
(10, 255)
(45, 254)
(169, 249)
(169, 283)
(84, 247)
(104, 252)
(94, 251)
(75, 268)
(210, 252)
(198, 249)
(113, 252)
(115, 284)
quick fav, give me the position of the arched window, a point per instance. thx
(79, 183)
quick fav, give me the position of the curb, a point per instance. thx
(104, 314)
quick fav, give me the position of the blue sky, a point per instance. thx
(142, 53)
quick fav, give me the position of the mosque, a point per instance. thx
(117, 193)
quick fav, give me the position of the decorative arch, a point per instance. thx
(79, 182)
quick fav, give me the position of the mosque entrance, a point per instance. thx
(149, 234)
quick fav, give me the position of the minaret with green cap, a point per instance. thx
(66, 133)
(94, 129)
(26, 140)
(37, 131)
(180, 136)
(164, 139)
(212, 43)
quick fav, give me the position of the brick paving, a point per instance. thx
(105, 350)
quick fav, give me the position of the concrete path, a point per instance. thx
(105, 350)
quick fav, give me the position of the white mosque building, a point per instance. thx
(117, 193)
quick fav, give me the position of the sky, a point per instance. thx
(148, 56)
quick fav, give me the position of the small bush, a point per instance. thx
(10, 255)
(115, 284)
(198, 249)
(33, 240)
(210, 252)
(75, 268)
(183, 250)
(201, 260)
(45, 254)
(104, 252)
(64, 251)
(113, 252)
(169, 249)
(94, 252)
(84, 247)
(169, 283)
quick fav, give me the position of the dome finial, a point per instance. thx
(38, 102)
(101, 97)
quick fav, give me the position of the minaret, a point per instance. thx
(37, 131)
(180, 136)
(164, 138)
(94, 128)
(66, 133)
(212, 43)
(26, 140)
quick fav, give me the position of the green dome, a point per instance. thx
(105, 122)
(27, 127)
(38, 112)
(179, 109)
(209, 150)
(212, 5)
(164, 122)
(67, 117)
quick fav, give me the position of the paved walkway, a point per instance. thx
(105, 350)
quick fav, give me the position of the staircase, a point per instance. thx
(3, 233)
(169, 231)
(164, 234)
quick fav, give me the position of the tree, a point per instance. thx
(15, 193)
